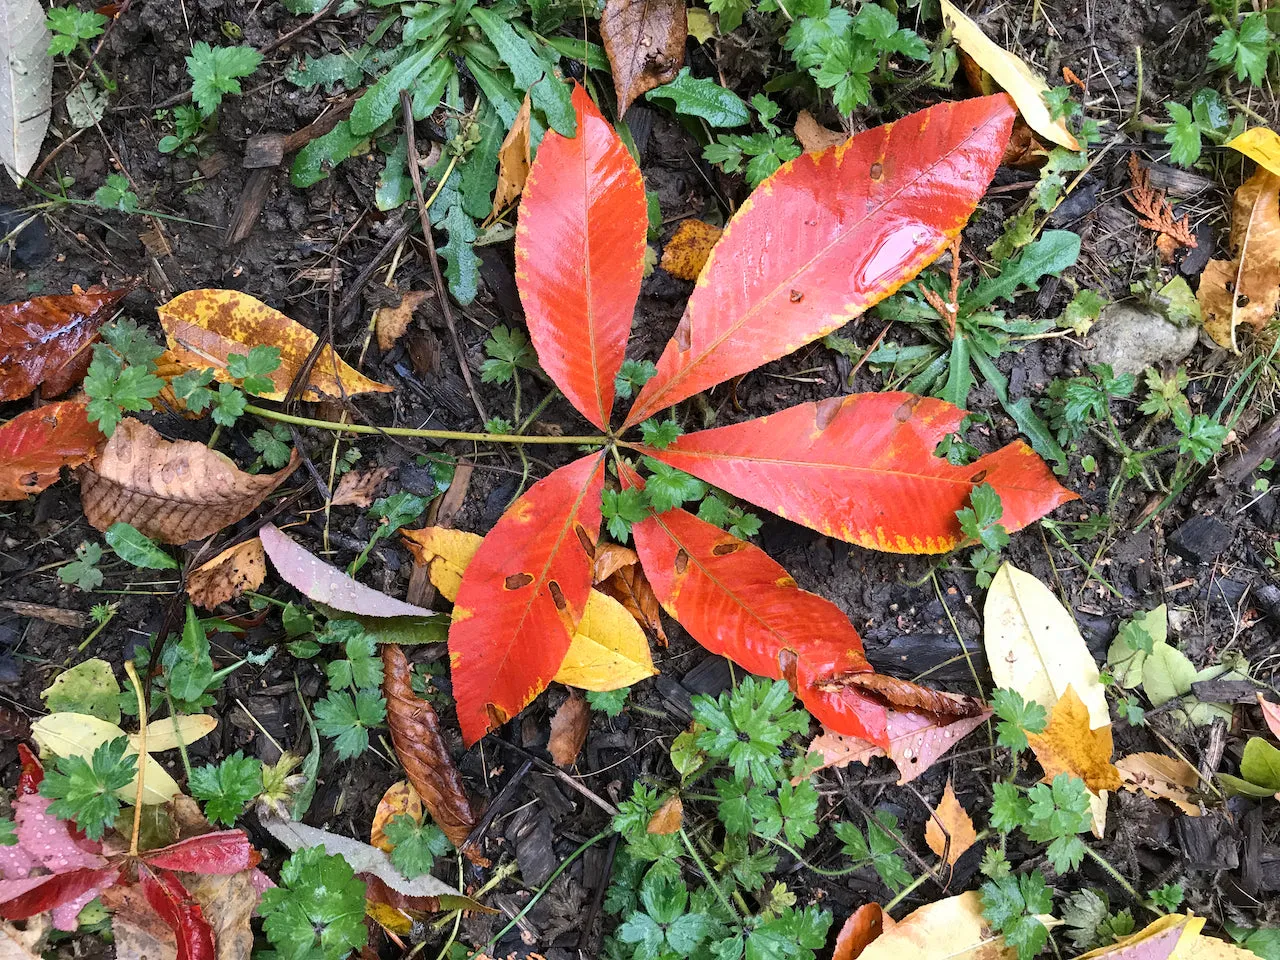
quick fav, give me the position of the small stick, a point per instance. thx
(406, 109)
(142, 754)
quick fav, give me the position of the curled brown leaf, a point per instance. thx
(569, 730)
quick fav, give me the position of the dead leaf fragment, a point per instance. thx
(863, 926)
(514, 160)
(1271, 714)
(1245, 290)
(400, 799)
(687, 251)
(172, 491)
(814, 136)
(204, 327)
(953, 928)
(228, 575)
(1156, 213)
(36, 445)
(357, 488)
(390, 323)
(950, 832)
(229, 902)
(617, 573)
(1069, 745)
(1161, 778)
(140, 932)
(645, 43)
(916, 741)
(668, 818)
(569, 730)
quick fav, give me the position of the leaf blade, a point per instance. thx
(37, 444)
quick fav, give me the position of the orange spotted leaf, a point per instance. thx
(827, 236)
(204, 327)
(737, 602)
(36, 445)
(579, 257)
(862, 468)
(522, 596)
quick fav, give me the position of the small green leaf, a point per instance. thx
(704, 98)
(134, 547)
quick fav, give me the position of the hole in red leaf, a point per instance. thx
(557, 595)
(584, 538)
(683, 338)
(978, 477)
(682, 561)
(827, 410)
(724, 549)
(904, 412)
(517, 580)
(877, 171)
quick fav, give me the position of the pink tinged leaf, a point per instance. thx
(1271, 713)
(318, 581)
(63, 893)
(49, 840)
(580, 256)
(222, 852)
(165, 892)
(827, 236)
(916, 742)
(32, 771)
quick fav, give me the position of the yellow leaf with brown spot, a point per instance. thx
(228, 575)
(1069, 745)
(1162, 778)
(390, 323)
(949, 832)
(608, 651)
(1245, 290)
(399, 800)
(514, 161)
(687, 251)
(204, 327)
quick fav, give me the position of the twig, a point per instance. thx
(563, 777)
(442, 293)
(315, 18)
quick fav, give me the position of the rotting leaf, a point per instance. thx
(514, 160)
(36, 445)
(204, 327)
(687, 251)
(949, 831)
(813, 136)
(569, 728)
(415, 733)
(41, 336)
(228, 575)
(1161, 778)
(390, 323)
(358, 488)
(668, 818)
(318, 581)
(171, 491)
(644, 40)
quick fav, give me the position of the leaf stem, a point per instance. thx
(906, 891)
(142, 754)
(1125, 885)
(707, 875)
(597, 441)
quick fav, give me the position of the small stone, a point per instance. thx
(1130, 340)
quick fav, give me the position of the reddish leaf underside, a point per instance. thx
(169, 898)
(522, 597)
(828, 235)
(737, 602)
(580, 256)
(40, 336)
(36, 445)
(862, 468)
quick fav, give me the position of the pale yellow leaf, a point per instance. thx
(950, 929)
(699, 23)
(1024, 85)
(1261, 145)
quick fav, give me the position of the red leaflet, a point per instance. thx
(35, 445)
(38, 337)
(32, 771)
(20, 899)
(221, 852)
(862, 468)
(522, 597)
(827, 236)
(736, 601)
(170, 899)
(864, 925)
(580, 256)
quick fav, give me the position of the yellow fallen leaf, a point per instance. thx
(699, 24)
(1068, 745)
(400, 799)
(949, 832)
(229, 574)
(953, 928)
(1162, 778)
(78, 735)
(687, 251)
(1261, 145)
(669, 817)
(1211, 948)
(204, 327)
(1012, 73)
(608, 651)
(514, 161)
(1169, 937)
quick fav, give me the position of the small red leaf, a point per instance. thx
(826, 237)
(522, 596)
(20, 899)
(319, 581)
(165, 892)
(38, 337)
(36, 445)
(862, 468)
(915, 742)
(580, 256)
(32, 771)
(864, 925)
(221, 852)
(737, 602)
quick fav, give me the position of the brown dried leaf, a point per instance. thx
(41, 336)
(609, 559)
(668, 818)
(229, 902)
(204, 327)
(569, 730)
(631, 588)
(415, 733)
(905, 695)
(645, 43)
(171, 491)
(228, 575)
(140, 932)
(399, 800)
(687, 251)
(27, 943)
(357, 488)
(514, 160)
(813, 136)
(1246, 289)
(1161, 778)
(949, 832)
(864, 925)
(1154, 211)
(391, 322)
(1024, 150)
